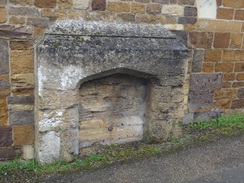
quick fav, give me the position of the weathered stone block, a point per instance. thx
(55, 99)
(221, 40)
(21, 100)
(22, 62)
(6, 136)
(239, 67)
(45, 3)
(225, 13)
(229, 76)
(236, 40)
(96, 5)
(21, 45)
(21, 117)
(4, 84)
(198, 57)
(8, 153)
(28, 151)
(23, 134)
(225, 94)
(137, 8)
(207, 115)
(208, 67)
(55, 120)
(3, 15)
(118, 6)
(143, 1)
(22, 2)
(149, 19)
(17, 20)
(238, 84)
(127, 17)
(65, 3)
(224, 67)
(201, 39)
(188, 118)
(3, 2)
(190, 11)
(47, 13)
(38, 21)
(154, 9)
(238, 103)
(173, 10)
(38, 31)
(69, 144)
(219, 25)
(23, 11)
(4, 55)
(233, 4)
(161, 1)
(48, 147)
(241, 93)
(223, 103)
(15, 32)
(213, 55)
(3, 112)
(201, 90)
(186, 2)
(187, 20)
(23, 80)
(240, 76)
(22, 91)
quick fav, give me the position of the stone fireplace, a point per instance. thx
(104, 83)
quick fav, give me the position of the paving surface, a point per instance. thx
(221, 161)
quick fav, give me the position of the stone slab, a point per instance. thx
(198, 57)
(15, 32)
(21, 117)
(21, 100)
(9, 153)
(4, 57)
(6, 136)
(201, 91)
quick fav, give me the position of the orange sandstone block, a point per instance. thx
(233, 55)
(22, 61)
(118, 6)
(240, 76)
(225, 94)
(239, 67)
(221, 40)
(239, 15)
(3, 15)
(23, 134)
(233, 3)
(212, 55)
(236, 40)
(208, 67)
(229, 77)
(137, 8)
(224, 67)
(225, 13)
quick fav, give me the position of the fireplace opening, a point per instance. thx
(111, 110)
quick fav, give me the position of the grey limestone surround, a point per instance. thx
(74, 52)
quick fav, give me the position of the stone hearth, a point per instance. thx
(99, 82)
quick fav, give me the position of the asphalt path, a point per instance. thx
(219, 162)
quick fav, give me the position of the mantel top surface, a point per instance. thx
(81, 27)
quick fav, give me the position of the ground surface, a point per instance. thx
(219, 161)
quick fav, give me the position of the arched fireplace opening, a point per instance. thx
(112, 110)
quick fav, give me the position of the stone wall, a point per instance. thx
(216, 72)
